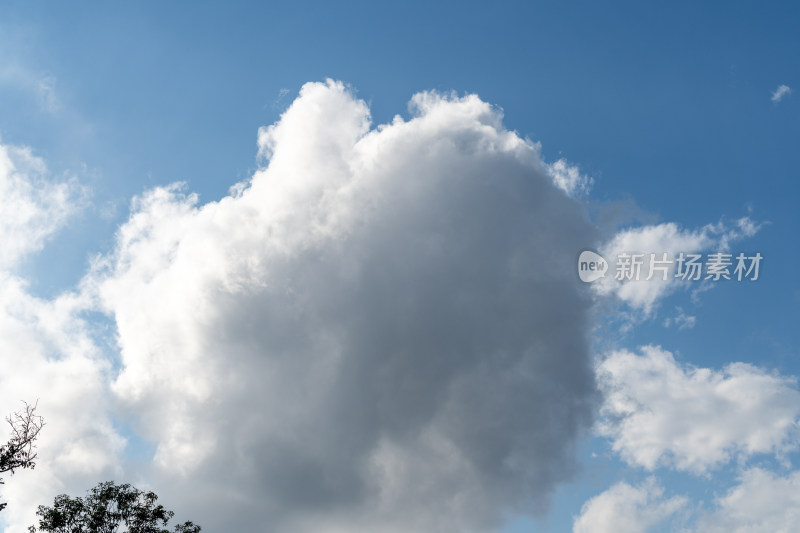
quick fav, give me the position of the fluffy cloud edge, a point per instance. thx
(643, 295)
(659, 412)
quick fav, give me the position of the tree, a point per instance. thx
(19, 452)
(106, 507)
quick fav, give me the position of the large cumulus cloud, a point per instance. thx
(381, 331)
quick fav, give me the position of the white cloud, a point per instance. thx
(627, 509)
(32, 206)
(743, 228)
(681, 320)
(659, 412)
(382, 331)
(47, 356)
(762, 502)
(46, 353)
(654, 241)
(781, 92)
(569, 178)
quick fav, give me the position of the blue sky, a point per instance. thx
(668, 109)
(652, 102)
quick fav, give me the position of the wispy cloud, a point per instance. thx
(569, 178)
(681, 320)
(780, 92)
(32, 206)
(40, 86)
(668, 238)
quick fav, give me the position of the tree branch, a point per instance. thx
(20, 451)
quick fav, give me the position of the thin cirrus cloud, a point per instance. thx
(381, 331)
(42, 86)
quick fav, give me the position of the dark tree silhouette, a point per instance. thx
(106, 507)
(19, 452)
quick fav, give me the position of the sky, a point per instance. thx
(314, 267)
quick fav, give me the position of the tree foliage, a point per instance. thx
(20, 452)
(105, 508)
